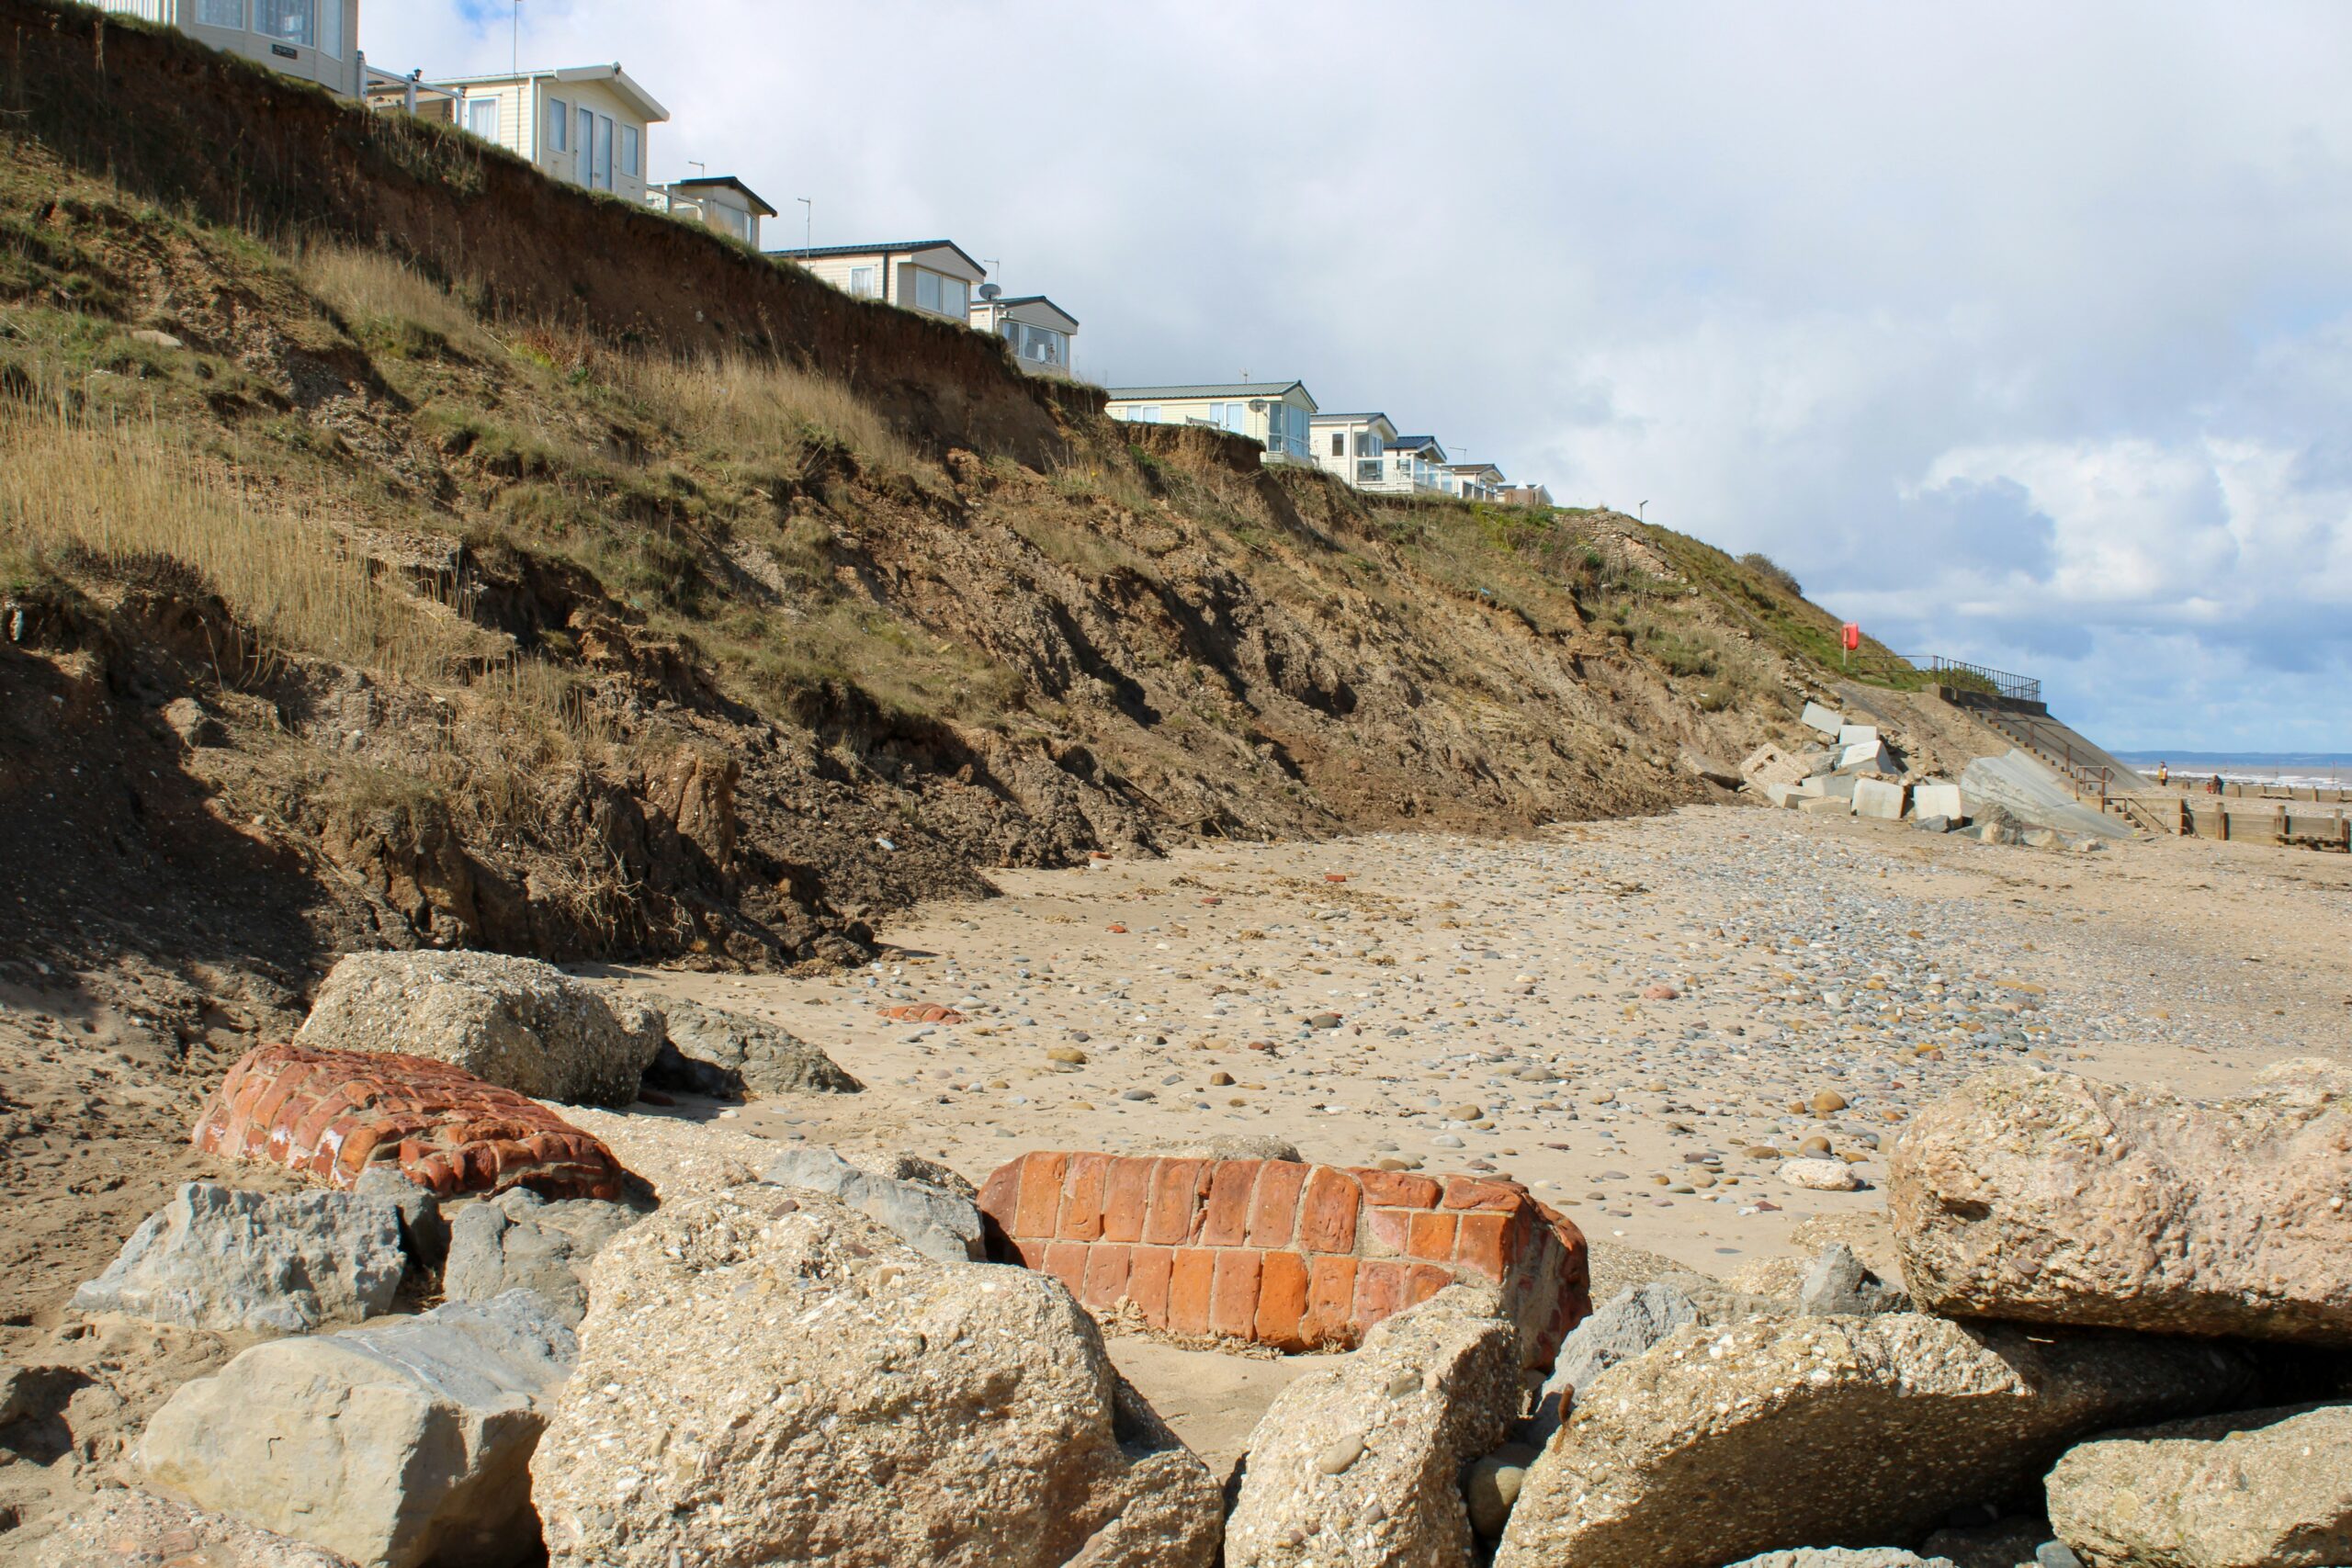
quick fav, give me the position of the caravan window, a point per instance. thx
(558, 126)
(222, 13)
(628, 148)
(287, 21)
(482, 118)
(584, 167)
(604, 180)
(864, 282)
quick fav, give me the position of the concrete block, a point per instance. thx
(1825, 806)
(1838, 785)
(1784, 796)
(1856, 735)
(1872, 758)
(1826, 722)
(1878, 800)
(1770, 765)
(1936, 799)
(1932, 824)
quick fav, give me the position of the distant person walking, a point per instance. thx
(2164, 773)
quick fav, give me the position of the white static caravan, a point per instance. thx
(934, 276)
(317, 40)
(587, 125)
(1275, 415)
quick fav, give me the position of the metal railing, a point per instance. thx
(2016, 688)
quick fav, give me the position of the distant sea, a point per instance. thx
(2306, 768)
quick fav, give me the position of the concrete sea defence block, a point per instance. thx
(1879, 799)
(1824, 722)
(1283, 1254)
(1938, 799)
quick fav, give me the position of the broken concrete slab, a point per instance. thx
(1770, 765)
(1825, 806)
(1785, 795)
(1878, 799)
(1856, 735)
(1871, 758)
(1824, 722)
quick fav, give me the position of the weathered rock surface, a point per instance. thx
(515, 1023)
(938, 1225)
(519, 1241)
(1839, 1285)
(1618, 1330)
(424, 1233)
(823, 1391)
(1843, 1557)
(396, 1444)
(2005, 1543)
(138, 1529)
(758, 1056)
(2047, 1198)
(221, 1259)
(1766, 1435)
(1359, 1462)
(337, 1116)
(2267, 1487)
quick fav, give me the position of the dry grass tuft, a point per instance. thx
(759, 411)
(381, 296)
(128, 489)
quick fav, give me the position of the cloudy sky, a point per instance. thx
(2020, 333)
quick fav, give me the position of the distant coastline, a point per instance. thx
(2294, 768)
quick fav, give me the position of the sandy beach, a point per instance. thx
(1636, 1019)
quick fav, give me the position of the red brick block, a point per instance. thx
(1432, 1237)
(1150, 1269)
(1330, 1301)
(1479, 1243)
(1081, 1213)
(1066, 1261)
(1225, 1218)
(1388, 1231)
(1397, 1189)
(1177, 1186)
(1281, 1301)
(1190, 1281)
(1281, 1253)
(1327, 1211)
(1273, 1213)
(331, 1115)
(1107, 1267)
(1233, 1294)
(1126, 1198)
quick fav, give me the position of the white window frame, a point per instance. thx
(475, 115)
(230, 14)
(558, 126)
(866, 282)
(632, 150)
(927, 291)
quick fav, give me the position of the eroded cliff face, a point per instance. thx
(686, 609)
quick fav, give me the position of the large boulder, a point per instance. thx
(1839, 1284)
(1359, 1463)
(2047, 1198)
(769, 1376)
(138, 1529)
(515, 1023)
(343, 1116)
(1844, 1557)
(1621, 1328)
(249, 1262)
(748, 1054)
(519, 1241)
(394, 1446)
(939, 1224)
(1774, 1434)
(2272, 1488)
